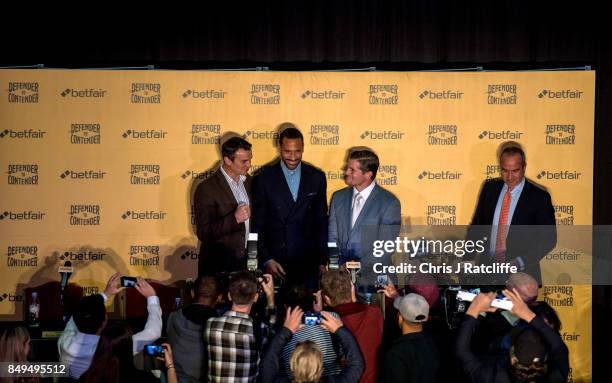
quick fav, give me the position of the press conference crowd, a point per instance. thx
(299, 320)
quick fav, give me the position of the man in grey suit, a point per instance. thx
(362, 212)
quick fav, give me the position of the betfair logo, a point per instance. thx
(85, 134)
(204, 94)
(189, 255)
(564, 175)
(23, 174)
(144, 255)
(265, 135)
(23, 134)
(383, 94)
(323, 94)
(492, 171)
(563, 255)
(84, 215)
(441, 215)
(564, 214)
(442, 135)
(192, 174)
(382, 135)
(23, 92)
(501, 94)
(334, 175)
(87, 255)
(441, 95)
(145, 134)
(387, 175)
(22, 256)
(83, 175)
(561, 134)
(144, 174)
(155, 215)
(559, 296)
(83, 93)
(206, 134)
(324, 134)
(14, 297)
(560, 94)
(500, 135)
(145, 93)
(265, 94)
(27, 215)
(444, 175)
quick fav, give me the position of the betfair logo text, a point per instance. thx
(384, 94)
(83, 175)
(323, 95)
(26, 215)
(22, 256)
(501, 94)
(85, 134)
(189, 254)
(564, 175)
(23, 92)
(563, 255)
(145, 134)
(205, 134)
(144, 174)
(564, 214)
(442, 135)
(147, 215)
(192, 174)
(84, 215)
(441, 215)
(145, 93)
(265, 94)
(144, 255)
(204, 94)
(23, 174)
(560, 134)
(86, 255)
(560, 94)
(324, 134)
(382, 135)
(23, 134)
(500, 135)
(440, 175)
(83, 93)
(441, 95)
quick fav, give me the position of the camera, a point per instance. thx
(311, 319)
(381, 281)
(128, 281)
(334, 256)
(154, 350)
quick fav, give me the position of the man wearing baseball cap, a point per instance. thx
(413, 357)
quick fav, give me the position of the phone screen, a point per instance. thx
(128, 281)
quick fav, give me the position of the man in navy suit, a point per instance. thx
(510, 204)
(290, 213)
(362, 212)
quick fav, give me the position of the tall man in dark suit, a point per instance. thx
(223, 211)
(510, 204)
(363, 212)
(290, 213)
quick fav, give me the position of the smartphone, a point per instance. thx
(128, 281)
(311, 319)
(382, 281)
(154, 350)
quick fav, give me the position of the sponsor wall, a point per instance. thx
(99, 166)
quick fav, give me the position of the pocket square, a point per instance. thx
(311, 194)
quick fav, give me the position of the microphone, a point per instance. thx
(65, 272)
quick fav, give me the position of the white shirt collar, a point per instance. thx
(365, 193)
(229, 178)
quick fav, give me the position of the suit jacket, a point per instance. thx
(534, 207)
(222, 238)
(294, 233)
(380, 219)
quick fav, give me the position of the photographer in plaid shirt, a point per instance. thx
(235, 339)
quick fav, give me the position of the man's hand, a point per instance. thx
(275, 268)
(267, 284)
(330, 322)
(144, 288)
(389, 290)
(243, 212)
(519, 307)
(293, 320)
(482, 303)
(112, 286)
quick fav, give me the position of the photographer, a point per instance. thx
(307, 360)
(538, 353)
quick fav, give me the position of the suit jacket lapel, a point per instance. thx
(224, 188)
(365, 210)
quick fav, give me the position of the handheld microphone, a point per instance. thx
(354, 267)
(65, 272)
